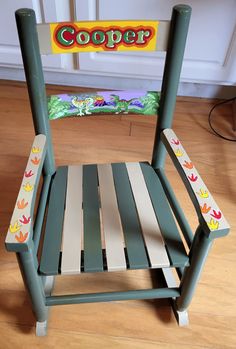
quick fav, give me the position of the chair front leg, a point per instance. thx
(33, 282)
(197, 257)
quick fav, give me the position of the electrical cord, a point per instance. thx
(210, 119)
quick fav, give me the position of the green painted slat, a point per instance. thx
(170, 233)
(92, 232)
(129, 218)
(54, 226)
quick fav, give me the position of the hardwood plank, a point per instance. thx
(92, 231)
(150, 227)
(49, 263)
(111, 220)
(169, 230)
(73, 228)
(130, 222)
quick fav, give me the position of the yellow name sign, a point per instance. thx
(103, 36)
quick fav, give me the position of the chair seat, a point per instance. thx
(109, 217)
(103, 102)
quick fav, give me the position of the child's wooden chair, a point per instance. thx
(136, 201)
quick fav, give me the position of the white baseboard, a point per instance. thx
(83, 79)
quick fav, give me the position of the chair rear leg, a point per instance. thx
(197, 256)
(33, 282)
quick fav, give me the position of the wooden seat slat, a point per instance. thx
(54, 226)
(150, 227)
(93, 260)
(73, 228)
(113, 232)
(129, 218)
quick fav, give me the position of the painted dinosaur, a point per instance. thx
(121, 105)
(83, 105)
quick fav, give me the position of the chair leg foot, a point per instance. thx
(181, 316)
(41, 328)
(48, 285)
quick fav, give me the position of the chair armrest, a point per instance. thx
(210, 216)
(20, 230)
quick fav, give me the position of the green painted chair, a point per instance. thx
(110, 217)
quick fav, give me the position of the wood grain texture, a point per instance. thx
(122, 325)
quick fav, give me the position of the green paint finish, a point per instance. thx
(26, 25)
(41, 211)
(174, 244)
(129, 218)
(176, 208)
(93, 260)
(197, 255)
(174, 58)
(113, 296)
(54, 224)
(28, 265)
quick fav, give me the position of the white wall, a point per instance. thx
(210, 58)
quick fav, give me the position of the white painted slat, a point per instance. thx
(112, 229)
(73, 222)
(150, 227)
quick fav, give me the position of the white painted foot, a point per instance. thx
(181, 316)
(41, 328)
(48, 285)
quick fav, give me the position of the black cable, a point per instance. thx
(210, 116)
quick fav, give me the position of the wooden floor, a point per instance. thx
(131, 324)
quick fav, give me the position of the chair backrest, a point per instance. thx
(167, 36)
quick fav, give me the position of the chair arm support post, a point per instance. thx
(41, 211)
(28, 265)
(175, 52)
(26, 25)
(197, 257)
(176, 208)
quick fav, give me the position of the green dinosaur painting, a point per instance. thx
(108, 102)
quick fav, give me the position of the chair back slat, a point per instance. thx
(98, 36)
